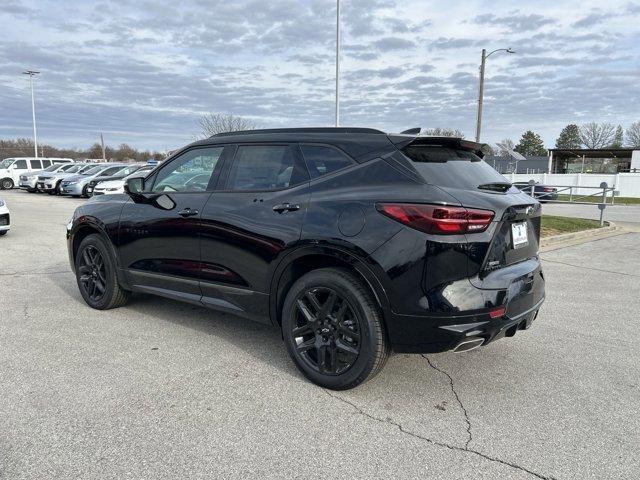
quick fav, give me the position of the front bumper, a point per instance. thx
(27, 184)
(71, 189)
(5, 219)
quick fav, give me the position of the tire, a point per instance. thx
(92, 249)
(328, 332)
(84, 192)
(4, 232)
(6, 184)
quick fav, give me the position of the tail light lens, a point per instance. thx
(438, 219)
(549, 189)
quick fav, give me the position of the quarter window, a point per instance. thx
(265, 167)
(46, 163)
(190, 172)
(322, 160)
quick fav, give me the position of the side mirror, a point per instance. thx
(134, 185)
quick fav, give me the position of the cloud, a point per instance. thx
(142, 72)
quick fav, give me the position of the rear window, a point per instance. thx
(451, 167)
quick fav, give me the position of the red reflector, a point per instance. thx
(498, 312)
(437, 219)
(548, 189)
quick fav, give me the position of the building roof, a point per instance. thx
(593, 152)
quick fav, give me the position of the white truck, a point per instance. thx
(12, 168)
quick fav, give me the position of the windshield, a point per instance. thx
(6, 162)
(449, 167)
(92, 170)
(51, 168)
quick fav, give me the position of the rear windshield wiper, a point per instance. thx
(495, 186)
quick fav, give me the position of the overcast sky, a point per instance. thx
(143, 71)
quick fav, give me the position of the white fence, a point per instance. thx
(628, 184)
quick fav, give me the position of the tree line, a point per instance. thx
(588, 135)
(23, 147)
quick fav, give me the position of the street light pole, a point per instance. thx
(31, 74)
(481, 86)
(337, 115)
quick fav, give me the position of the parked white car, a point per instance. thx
(5, 218)
(12, 168)
(111, 187)
(28, 181)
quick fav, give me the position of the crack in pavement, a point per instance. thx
(26, 274)
(455, 394)
(436, 443)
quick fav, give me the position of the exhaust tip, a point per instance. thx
(468, 345)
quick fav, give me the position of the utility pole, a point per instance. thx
(480, 95)
(31, 74)
(485, 55)
(337, 63)
(103, 152)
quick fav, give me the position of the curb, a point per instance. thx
(582, 236)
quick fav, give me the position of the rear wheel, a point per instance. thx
(3, 232)
(333, 329)
(6, 184)
(96, 275)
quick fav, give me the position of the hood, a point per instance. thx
(111, 184)
(74, 177)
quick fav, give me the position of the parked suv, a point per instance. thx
(29, 181)
(50, 182)
(12, 168)
(353, 242)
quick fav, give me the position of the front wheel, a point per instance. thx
(333, 329)
(96, 275)
(6, 184)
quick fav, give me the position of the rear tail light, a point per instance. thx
(497, 312)
(549, 189)
(437, 219)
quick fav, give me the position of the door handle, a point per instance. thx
(285, 207)
(188, 212)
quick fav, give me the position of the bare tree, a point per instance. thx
(443, 132)
(632, 135)
(597, 135)
(505, 147)
(214, 123)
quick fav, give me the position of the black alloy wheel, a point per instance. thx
(326, 331)
(333, 329)
(96, 274)
(93, 276)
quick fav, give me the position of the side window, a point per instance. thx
(190, 172)
(20, 165)
(46, 163)
(322, 160)
(265, 167)
(36, 164)
(110, 171)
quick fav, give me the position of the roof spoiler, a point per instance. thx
(480, 149)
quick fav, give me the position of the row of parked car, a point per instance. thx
(60, 176)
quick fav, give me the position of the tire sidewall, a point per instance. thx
(6, 184)
(342, 282)
(96, 241)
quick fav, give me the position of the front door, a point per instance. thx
(159, 234)
(248, 224)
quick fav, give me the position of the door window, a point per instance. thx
(20, 165)
(265, 167)
(36, 164)
(322, 160)
(190, 172)
(46, 163)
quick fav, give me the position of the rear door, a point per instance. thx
(159, 233)
(248, 224)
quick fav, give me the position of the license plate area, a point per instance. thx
(519, 235)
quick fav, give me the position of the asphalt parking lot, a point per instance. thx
(159, 389)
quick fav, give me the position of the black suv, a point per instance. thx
(352, 241)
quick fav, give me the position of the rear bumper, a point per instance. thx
(465, 330)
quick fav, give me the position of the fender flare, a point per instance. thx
(362, 267)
